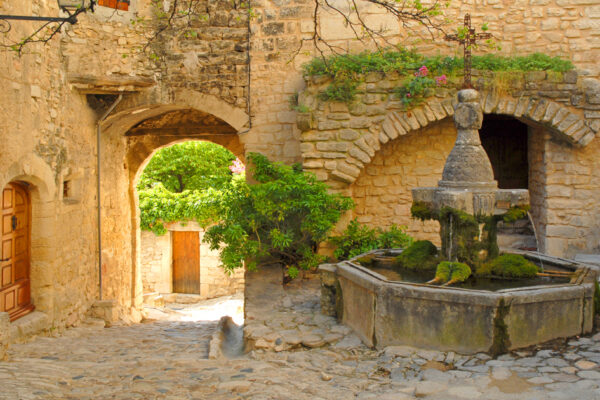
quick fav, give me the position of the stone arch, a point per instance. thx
(33, 171)
(361, 148)
(133, 152)
(140, 108)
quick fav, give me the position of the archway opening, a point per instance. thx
(174, 258)
(177, 265)
(505, 139)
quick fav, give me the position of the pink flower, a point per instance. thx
(237, 167)
(423, 71)
(441, 80)
(407, 94)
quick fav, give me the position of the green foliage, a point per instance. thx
(281, 218)
(340, 90)
(188, 166)
(452, 272)
(347, 70)
(296, 106)
(515, 213)
(394, 238)
(422, 254)
(181, 183)
(357, 239)
(509, 266)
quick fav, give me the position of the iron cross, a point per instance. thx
(468, 39)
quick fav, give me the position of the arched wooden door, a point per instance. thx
(15, 292)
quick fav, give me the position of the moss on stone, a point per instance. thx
(501, 339)
(467, 238)
(509, 266)
(422, 211)
(452, 272)
(422, 254)
(515, 213)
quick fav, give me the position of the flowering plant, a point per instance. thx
(237, 167)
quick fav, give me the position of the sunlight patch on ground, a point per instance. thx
(203, 310)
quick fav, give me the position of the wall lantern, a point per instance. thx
(72, 7)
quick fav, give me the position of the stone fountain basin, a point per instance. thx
(388, 313)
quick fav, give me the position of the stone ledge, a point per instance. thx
(32, 324)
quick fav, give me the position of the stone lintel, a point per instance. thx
(87, 84)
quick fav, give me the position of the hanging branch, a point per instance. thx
(406, 12)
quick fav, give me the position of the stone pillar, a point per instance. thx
(4, 334)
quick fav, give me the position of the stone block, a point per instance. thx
(105, 310)
(591, 88)
(348, 134)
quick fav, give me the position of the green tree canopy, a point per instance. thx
(188, 166)
(181, 182)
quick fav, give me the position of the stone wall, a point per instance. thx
(48, 137)
(156, 266)
(382, 191)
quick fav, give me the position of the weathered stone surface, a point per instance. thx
(4, 334)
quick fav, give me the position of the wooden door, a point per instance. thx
(15, 293)
(186, 262)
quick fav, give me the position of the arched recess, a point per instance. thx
(562, 121)
(39, 180)
(129, 138)
(416, 155)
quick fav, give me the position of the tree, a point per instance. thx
(280, 218)
(188, 166)
(180, 183)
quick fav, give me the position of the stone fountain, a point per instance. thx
(468, 183)
(386, 311)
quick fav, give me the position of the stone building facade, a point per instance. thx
(230, 83)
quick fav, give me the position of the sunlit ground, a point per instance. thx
(203, 310)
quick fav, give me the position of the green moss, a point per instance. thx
(509, 266)
(515, 213)
(452, 272)
(422, 211)
(501, 339)
(422, 254)
(467, 238)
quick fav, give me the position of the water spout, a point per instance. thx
(537, 242)
(450, 239)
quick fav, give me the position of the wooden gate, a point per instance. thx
(186, 262)
(15, 292)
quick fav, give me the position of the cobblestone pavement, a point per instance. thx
(166, 360)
